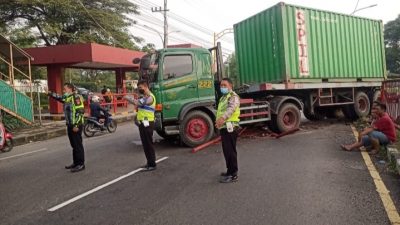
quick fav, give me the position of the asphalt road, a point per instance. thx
(299, 179)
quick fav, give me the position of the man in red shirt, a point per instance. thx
(381, 132)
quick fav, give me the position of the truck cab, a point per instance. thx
(182, 81)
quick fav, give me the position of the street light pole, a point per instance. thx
(165, 25)
(150, 28)
(163, 10)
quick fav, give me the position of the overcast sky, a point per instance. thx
(195, 21)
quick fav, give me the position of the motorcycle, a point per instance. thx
(6, 139)
(93, 125)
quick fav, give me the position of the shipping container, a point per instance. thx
(294, 44)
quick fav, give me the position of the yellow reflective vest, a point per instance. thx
(223, 105)
(147, 111)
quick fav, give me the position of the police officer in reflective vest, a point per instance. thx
(74, 118)
(228, 123)
(145, 120)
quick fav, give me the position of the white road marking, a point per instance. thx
(22, 154)
(98, 188)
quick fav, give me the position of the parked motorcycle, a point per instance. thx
(6, 139)
(93, 126)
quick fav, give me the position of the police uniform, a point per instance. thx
(74, 117)
(229, 138)
(146, 113)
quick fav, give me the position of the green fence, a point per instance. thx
(20, 104)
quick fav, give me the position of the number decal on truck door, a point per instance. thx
(205, 84)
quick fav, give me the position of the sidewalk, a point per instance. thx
(51, 129)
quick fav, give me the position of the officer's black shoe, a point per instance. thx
(77, 168)
(70, 166)
(224, 174)
(148, 168)
(229, 179)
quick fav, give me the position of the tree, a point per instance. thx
(392, 42)
(56, 22)
(148, 48)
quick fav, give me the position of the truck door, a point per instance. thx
(179, 83)
(205, 78)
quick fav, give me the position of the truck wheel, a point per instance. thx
(197, 128)
(288, 117)
(362, 105)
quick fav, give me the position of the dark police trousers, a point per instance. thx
(75, 138)
(229, 149)
(146, 136)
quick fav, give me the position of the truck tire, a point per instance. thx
(360, 108)
(196, 128)
(288, 117)
(362, 104)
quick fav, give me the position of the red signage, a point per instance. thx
(302, 42)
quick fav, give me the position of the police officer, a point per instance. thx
(74, 118)
(228, 123)
(145, 120)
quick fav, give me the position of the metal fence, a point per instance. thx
(391, 96)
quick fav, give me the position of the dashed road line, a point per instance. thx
(22, 154)
(99, 188)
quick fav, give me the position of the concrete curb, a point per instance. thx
(58, 132)
(62, 117)
(40, 136)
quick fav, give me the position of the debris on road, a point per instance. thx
(247, 132)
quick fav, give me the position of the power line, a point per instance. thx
(152, 32)
(98, 24)
(187, 34)
(178, 18)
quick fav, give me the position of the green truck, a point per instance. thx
(291, 59)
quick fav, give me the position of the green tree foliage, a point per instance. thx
(56, 22)
(392, 41)
(148, 48)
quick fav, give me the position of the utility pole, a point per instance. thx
(163, 10)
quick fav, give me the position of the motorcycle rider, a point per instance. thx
(96, 110)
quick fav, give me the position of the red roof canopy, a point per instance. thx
(86, 56)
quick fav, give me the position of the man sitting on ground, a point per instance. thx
(381, 132)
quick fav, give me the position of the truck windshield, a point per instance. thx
(149, 67)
